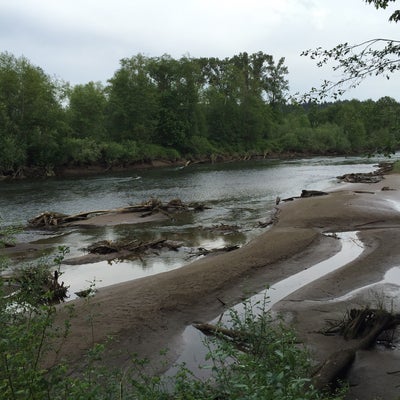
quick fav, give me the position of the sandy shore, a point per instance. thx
(149, 314)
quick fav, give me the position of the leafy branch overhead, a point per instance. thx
(355, 62)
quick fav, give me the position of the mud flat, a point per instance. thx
(150, 314)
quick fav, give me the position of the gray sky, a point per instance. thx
(83, 40)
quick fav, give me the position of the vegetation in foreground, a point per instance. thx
(266, 364)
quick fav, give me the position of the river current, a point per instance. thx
(239, 193)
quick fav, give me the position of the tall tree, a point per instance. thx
(132, 96)
(86, 111)
(31, 115)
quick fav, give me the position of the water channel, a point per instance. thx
(239, 193)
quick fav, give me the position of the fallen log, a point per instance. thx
(312, 193)
(237, 338)
(223, 228)
(361, 328)
(201, 251)
(215, 330)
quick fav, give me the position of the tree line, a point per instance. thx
(165, 108)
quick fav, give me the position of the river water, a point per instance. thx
(239, 193)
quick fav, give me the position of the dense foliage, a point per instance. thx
(166, 108)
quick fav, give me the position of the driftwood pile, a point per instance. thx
(133, 246)
(109, 250)
(361, 328)
(53, 219)
(368, 177)
(44, 286)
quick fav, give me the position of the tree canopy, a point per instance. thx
(166, 108)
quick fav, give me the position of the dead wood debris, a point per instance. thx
(133, 246)
(305, 194)
(201, 251)
(53, 219)
(361, 328)
(237, 338)
(223, 228)
(368, 177)
(41, 284)
(109, 250)
(357, 323)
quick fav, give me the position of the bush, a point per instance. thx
(81, 151)
(266, 363)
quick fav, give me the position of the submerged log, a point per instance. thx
(223, 228)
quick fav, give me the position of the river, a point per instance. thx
(238, 193)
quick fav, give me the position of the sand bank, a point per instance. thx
(149, 314)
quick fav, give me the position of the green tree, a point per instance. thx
(86, 111)
(132, 101)
(30, 111)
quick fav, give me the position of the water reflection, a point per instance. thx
(194, 350)
(241, 193)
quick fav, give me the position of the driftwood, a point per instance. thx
(49, 289)
(361, 328)
(215, 330)
(369, 177)
(201, 251)
(53, 219)
(304, 194)
(312, 193)
(223, 228)
(237, 338)
(133, 246)
(108, 250)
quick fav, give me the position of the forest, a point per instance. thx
(161, 108)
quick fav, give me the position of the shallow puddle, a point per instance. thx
(105, 273)
(387, 288)
(194, 350)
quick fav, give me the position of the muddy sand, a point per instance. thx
(147, 315)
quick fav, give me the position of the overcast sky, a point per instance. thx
(83, 40)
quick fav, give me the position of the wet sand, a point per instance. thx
(149, 314)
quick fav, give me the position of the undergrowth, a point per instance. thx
(266, 364)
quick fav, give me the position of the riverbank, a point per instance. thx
(71, 171)
(149, 314)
